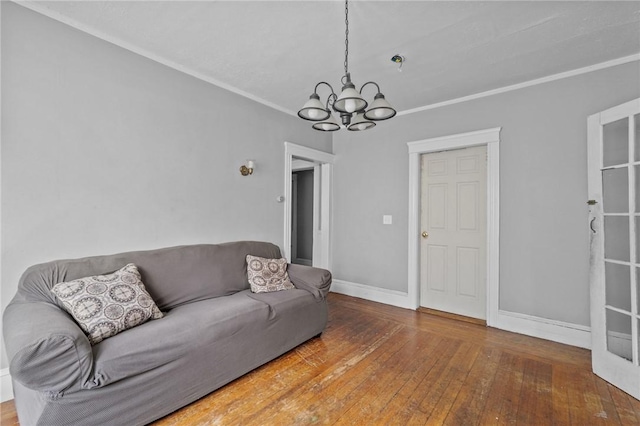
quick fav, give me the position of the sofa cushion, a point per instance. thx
(183, 330)
(281, 304)
(105, 305)
(267, 275)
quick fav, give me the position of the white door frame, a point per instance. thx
(490, 138)
(321, 233)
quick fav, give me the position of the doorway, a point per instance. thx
(489, 138)
(302, 212)
(298, 158)
(453, 223)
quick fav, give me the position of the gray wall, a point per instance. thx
(105, 151)
(544, 258)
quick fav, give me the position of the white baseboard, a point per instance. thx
(6, 388)
(620, 343)
(556, 331)
(375, 294)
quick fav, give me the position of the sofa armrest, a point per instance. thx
(47, 350)
(315, 280)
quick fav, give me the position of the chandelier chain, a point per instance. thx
(346, 37)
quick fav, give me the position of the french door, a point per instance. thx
(614, 220)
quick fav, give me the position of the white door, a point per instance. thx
(614, 205)
(453, 220)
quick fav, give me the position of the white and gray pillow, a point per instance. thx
(105, 305)
(267, 275)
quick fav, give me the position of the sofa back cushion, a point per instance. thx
(172, 276)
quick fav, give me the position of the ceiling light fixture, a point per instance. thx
(398, 59)
(350, 104)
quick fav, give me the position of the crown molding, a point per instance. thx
(550, 78)
(39, 8)
(145, 53)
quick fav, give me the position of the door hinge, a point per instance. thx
(592, 202)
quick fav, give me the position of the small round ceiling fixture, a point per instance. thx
(398, 59)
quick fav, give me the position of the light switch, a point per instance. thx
(387, 219)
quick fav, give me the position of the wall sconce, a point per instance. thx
(247, 169)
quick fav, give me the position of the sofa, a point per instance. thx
(214, 329)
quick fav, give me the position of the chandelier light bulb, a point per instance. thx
(328, 125)
(380, 109)
(313, 109)
(350, 105)
(360, 123)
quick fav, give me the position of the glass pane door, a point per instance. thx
(614, 181)
(617, 166)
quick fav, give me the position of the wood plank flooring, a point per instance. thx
(380, 365)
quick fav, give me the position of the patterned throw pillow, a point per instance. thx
(266, 275)
(105, 305)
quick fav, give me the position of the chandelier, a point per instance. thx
(350, 105)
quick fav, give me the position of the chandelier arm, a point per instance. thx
(323, 82)
(370, 82)
(331, 100)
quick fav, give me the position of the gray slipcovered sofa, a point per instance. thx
(214, 330)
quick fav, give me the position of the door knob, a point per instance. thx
(425, 234)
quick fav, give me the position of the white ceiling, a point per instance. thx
(276, 51)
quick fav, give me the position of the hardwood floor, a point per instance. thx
(377, 364)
